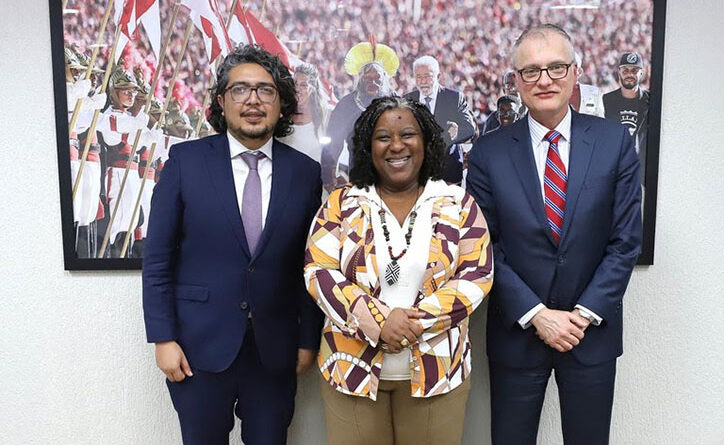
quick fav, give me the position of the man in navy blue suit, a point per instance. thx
(560, 191)
(451, 111)
(223, 292)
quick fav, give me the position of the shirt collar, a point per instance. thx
(236, 147)
(538, 131)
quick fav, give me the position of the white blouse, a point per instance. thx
(403, 293)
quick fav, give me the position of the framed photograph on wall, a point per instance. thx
(131, 78)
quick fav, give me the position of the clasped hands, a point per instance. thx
(561, 330)
(401, 329)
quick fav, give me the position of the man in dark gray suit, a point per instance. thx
(451, 112)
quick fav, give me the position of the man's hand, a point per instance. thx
(171, 360)
(466, 157)
(401, 324)
(305, 359)
(579, 320)
(452, 130)
(560, 330)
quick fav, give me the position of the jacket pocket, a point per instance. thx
(191, 292)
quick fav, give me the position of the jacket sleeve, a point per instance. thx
(456, 299)
(310, 317)
(346, 304)
(512, 295)
(604, 292)
(464, 119)
(164, 226)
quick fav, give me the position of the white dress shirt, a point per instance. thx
(433, 96)
(540, 152)
(240, 171)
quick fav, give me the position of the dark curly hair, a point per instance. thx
(363, 173)
(282, 80)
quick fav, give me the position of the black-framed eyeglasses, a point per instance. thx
(555, 72)
(241, 92)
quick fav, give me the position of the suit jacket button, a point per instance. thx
(250, 269)
(244, 305)
(561, 259)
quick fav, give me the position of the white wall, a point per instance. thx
(74, 368)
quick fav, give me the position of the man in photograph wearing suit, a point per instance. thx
(223, 292)
(560, 191)
(451, 112)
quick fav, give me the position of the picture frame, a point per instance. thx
(325, 44)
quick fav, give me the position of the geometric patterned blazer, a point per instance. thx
(341, 274)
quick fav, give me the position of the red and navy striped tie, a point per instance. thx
(555, 181)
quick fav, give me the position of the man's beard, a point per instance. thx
(255, 133)
(629, 85)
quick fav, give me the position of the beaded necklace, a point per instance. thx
(392, 272)
(359, 103)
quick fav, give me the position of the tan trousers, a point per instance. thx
(396, 418)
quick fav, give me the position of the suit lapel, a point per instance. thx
(438, 108)
(522, 155)
(281, 180)
(218, 162)
(581, 151)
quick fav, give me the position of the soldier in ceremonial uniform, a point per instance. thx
(149, 135)
(86, 203)
(117, 133)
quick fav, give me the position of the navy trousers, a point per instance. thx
(264, 402)
(585, 393)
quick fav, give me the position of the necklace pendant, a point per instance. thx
(392, 273)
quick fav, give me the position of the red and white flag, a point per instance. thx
(129, 14)
(239, 30)
(206, 18)
(245, 28)
(248, 29)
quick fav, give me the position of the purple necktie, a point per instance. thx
(251, 201)
(428, 101)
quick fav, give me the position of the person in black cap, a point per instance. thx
(629, 104)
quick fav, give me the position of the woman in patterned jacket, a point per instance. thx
(395, 353)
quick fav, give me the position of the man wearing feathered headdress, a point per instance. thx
(373, 64)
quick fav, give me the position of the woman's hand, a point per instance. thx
(401, 327)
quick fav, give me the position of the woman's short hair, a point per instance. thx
(282, 80)
(363, 173)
